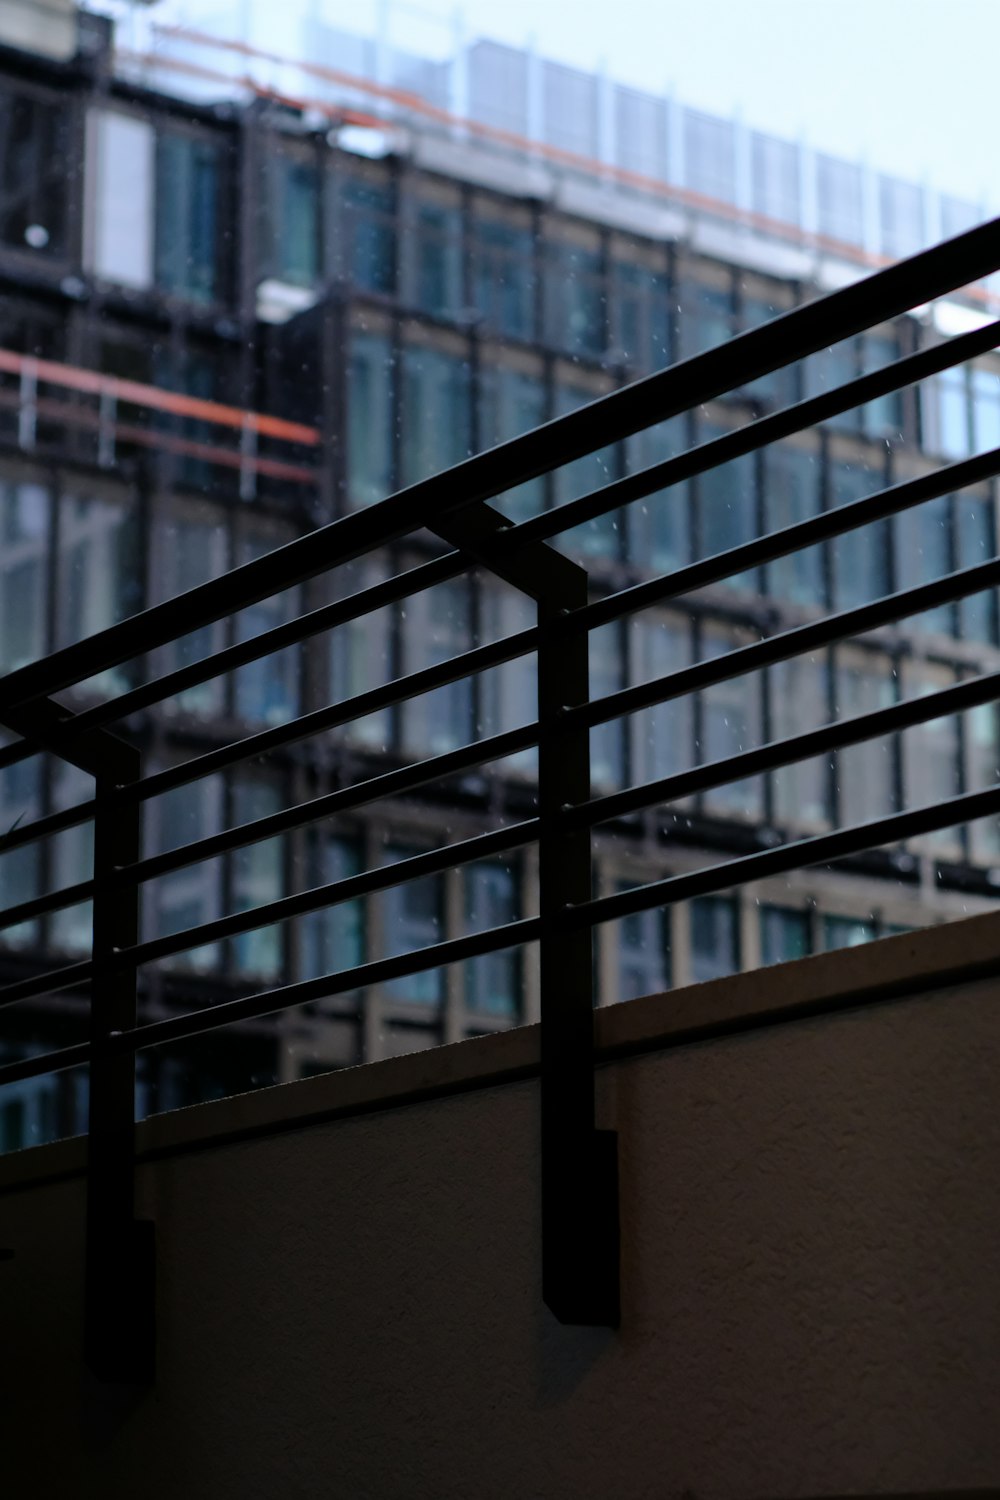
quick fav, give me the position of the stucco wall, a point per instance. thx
(811, 1289)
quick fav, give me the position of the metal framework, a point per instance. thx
(579, 1172)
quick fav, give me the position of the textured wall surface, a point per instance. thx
(811, 1291)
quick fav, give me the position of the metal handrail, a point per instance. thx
(429, 503)
(580, 1268)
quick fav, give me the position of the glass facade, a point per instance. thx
(465, 318)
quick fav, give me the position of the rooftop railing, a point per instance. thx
(52, 402)
(580, 1196)
(366, 102)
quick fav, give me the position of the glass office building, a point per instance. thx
(413, 301)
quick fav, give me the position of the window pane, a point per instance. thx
(436, 416)
(294, 222)
(884, 416)
(361, 655)
(435, 626)
(369, 436)
(575, 318)
(946, 414)
(601, 537)
(860, 557)
(830, 368)
(659, 527)
(512, 402)
(641, 311)
(706, 317)
(25, 532)
(493, 980)
(643, 952)
(731, 723)
(366, 248)
(975, 540)
(791, 495)
(982, 728)
(985, 409)
(20, 869)
(333, 938)
(866, 771)
(413, 916)
(780, 387)
(100, 574)
(72, 859)
(932, 756)
(784, 934)
(715, 949)
(607, 675)
(34, 149)
(799, 702)
(508, 694)
(662, 736)
(257, 878)
(847, 932)
(267, 690)
(188, 210)
(923, 553)
(727, 507)
(437, 259)
(193, 551)
(188, 897)
(503, 277)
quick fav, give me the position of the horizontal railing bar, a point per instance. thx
(290, 633)
(350, 888)
(818, 849)
(46, 1062)
(828, 631)
(791, 336)
(379, 971)
(95, 382)
(823, 527)
(386, 784)
(44, 828)
(350, 709)
(49, 983)
(89, 420)
(757, 434)
(890, 720)
(40, 906)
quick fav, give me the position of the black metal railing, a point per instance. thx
(580, 1215)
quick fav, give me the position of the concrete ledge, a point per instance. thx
(892, 969)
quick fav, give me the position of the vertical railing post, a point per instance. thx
(27, 417)
(119, 1328)
(580, 1272)
(248, 458)
(106, 418)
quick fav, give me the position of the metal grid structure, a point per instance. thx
(580, 1269)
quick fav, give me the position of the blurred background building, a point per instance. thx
(242, 295)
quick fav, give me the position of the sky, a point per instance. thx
(907, 85)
